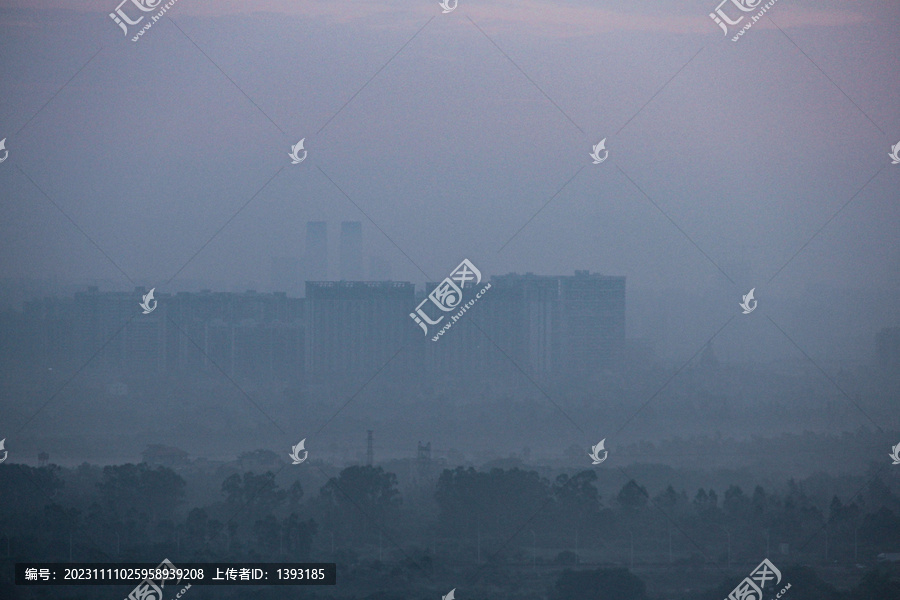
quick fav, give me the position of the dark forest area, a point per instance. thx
(489, 532)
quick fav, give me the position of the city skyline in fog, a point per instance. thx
(479, 150)
(527, 300)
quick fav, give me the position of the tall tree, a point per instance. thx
(253, 496)
(360, 501)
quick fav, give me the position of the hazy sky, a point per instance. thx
(750, 148)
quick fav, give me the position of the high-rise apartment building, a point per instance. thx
(558, 324)
(356, 326)
(543, 325)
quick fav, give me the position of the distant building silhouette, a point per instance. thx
(254, 336)
(257, 336)
(316, 258)
(103, 324)
(351, 251)
(548, 324)
(593, 321)
(355, 326)
(554, 325)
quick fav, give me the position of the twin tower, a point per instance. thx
(289, 273)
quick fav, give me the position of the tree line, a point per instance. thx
(505, 519)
